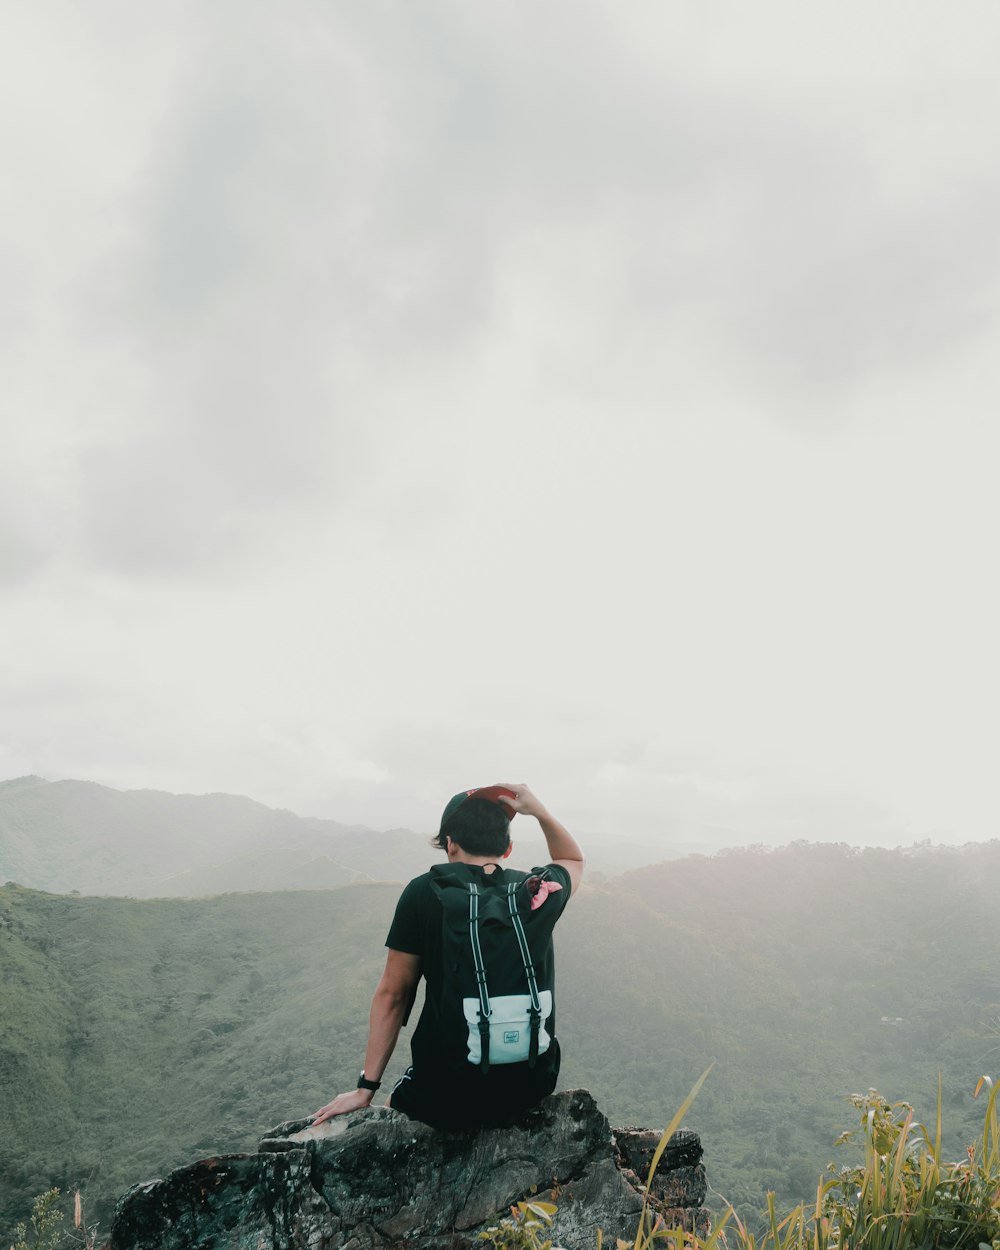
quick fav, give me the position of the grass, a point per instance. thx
(902, 1196)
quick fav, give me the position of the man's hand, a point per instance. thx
(354, 1100)
(523, 800)
(393, 996)
(563, 847)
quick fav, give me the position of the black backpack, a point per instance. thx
(492, 1000)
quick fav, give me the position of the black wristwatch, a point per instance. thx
(364, 1083)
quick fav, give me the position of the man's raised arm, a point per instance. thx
(564, 849)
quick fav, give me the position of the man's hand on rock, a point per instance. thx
(354, 1100)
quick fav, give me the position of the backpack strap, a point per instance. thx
(535, 1011)
(484, 994)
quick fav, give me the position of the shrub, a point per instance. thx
(43, 1231)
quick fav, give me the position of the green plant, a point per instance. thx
(523, 1229)
(904, 1196)
(43, 1231)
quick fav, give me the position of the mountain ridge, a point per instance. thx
(80, 835)
(69, 835)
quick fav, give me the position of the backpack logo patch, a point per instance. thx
(506, 1029)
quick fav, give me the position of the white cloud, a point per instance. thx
(397, 399)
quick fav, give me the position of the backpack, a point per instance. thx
(492, 1003)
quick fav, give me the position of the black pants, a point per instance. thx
(464, 1097)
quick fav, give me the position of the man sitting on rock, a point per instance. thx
(478, 1059)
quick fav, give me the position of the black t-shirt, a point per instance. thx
(416, 930)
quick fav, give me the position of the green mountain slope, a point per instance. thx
(137, 1035)
(75, 835)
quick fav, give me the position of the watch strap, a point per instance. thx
(364, 1083)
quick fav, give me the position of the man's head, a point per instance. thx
(478, 822)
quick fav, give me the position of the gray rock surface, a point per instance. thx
(679, 1184)
(375, 1180)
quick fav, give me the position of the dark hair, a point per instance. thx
(478, 826)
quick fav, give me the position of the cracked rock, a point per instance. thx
(375, 1180)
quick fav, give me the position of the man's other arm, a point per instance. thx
(390, 1004)
(564, 849)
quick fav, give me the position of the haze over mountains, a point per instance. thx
(76, 835)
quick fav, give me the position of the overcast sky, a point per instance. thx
(405, 397)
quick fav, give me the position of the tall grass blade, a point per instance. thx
(668, 1132)
(991, 1130)
(712, 1240)
(894, 1178)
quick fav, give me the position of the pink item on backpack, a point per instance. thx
(545, 888)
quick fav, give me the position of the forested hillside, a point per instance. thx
(136, 1035)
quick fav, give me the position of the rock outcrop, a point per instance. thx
(375, 1180)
